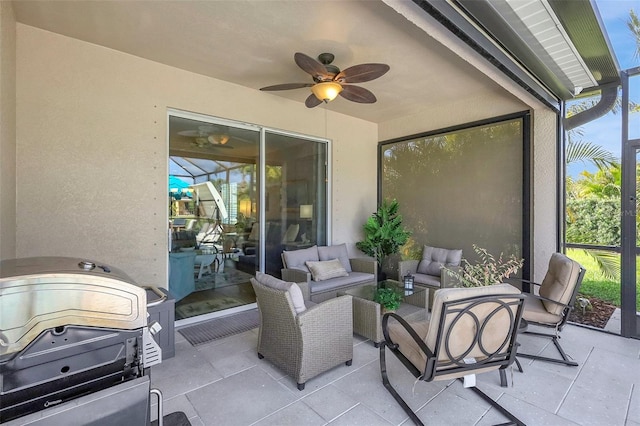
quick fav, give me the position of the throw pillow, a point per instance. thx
(335, 252)
(294, 290)
(296, 259)
(324, 270)
(434, 258)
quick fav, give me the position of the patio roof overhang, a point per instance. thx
(556, 49)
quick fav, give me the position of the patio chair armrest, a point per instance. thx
(363, 264)
(447, 280)
(522, 280)
(385, 331)
(295, 275)
(537, 296)
(407, 266)
(306, 292)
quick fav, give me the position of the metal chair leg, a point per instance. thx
(565, 358)
(392, 391)
(513, 419)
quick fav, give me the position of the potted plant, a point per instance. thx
(487, 271)
(383, 233)
(388, 298)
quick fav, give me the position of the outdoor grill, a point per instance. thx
(75, 347)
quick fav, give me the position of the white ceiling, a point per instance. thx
(251, 43)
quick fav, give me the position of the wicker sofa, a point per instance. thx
(302, 338)
(357, 271)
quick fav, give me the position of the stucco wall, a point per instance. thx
(545, 194)
(92, 150)
(7, 132)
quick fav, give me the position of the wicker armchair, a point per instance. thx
(428, 273)
(303, 344)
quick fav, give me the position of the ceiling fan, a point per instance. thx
(208, 135)
(329, 81)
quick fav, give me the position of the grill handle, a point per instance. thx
(160, 408)
(162, 296)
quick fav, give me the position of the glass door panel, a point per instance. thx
(295, 196)
(213, 202)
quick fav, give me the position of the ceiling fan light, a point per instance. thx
(326, 91)
(218, 139)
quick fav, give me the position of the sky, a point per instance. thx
(606, 131)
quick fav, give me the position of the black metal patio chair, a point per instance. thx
(472, 331)
(553, 303)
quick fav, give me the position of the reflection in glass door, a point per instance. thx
(213, 203)
(295, 191)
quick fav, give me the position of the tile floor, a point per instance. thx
(224, 383)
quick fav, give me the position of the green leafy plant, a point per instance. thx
(487, 271)
(388, 298)
(383, 232)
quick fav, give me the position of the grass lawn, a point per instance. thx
(595, 285)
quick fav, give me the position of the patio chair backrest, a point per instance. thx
(473, 325)
(561, 283)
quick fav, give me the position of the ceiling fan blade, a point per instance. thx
(286, 86)
(312, 101)
(361, 73)
(311, 66)
(358, 94)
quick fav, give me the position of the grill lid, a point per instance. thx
(42, 293)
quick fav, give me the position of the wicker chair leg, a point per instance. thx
(260, 356)
(300, 386)
(392, 391)
(349, 362)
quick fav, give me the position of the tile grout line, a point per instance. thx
(573, 381)
(626, 415)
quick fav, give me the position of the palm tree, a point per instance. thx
(588, 152)
(601, 183)
(634, 26)
(605, 183)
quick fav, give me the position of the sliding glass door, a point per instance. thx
(238, 195)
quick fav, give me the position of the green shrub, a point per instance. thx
(388, 297)
(593, 221)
